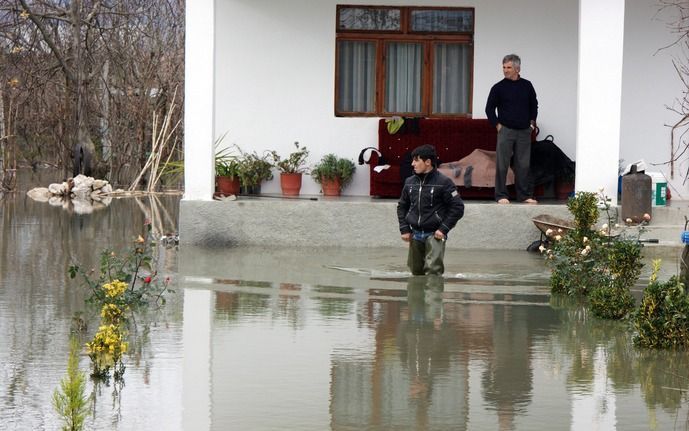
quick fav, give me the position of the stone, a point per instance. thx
(58, 188)
(40, 194)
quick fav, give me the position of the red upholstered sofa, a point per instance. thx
(453, 140)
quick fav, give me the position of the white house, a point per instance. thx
(264, 71)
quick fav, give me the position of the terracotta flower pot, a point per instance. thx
(227, 185)
(330, 187)
(290, 183)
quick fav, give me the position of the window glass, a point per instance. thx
(404, 62)
(379, 19)
(357, 76)
(451, 78)
(442, 21)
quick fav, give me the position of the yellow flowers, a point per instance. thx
(111, 313)
(115, 288)
(107, 346)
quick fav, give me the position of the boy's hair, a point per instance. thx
(425, 152)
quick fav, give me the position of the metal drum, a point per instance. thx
(636, 195)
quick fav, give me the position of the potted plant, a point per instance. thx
(333, 173)
(227, 170)
(291, 169)
(253, 170)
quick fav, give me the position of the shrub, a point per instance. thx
(124, 283)
(611, 302)
(662, 319)
(585, 259)
(132, 274)
(572, 263)
(571, 258)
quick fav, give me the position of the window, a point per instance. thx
(409, 61)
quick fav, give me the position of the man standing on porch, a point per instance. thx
(514, 99)
(429, 207)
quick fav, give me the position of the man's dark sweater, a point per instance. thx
(515, 102)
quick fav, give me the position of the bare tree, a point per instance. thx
(90, 74)
(677, 23)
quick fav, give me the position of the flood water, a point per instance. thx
(313, 339)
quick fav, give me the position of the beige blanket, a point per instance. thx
(475, 170)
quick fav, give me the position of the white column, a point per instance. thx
(601, 37)
(196, 380)
(199, 108)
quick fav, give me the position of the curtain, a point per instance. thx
(357, 76)
(404, 62)
(451, 78)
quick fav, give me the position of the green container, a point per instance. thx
(658, 189)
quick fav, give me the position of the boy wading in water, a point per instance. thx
(429, 207)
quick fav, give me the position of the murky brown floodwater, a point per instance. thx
(315, 339)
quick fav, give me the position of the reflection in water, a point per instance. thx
(433, 355)
(37, 304)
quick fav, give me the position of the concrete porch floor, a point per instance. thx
(305, 221)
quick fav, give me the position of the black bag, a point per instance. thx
(549, 162)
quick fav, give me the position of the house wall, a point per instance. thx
(275, 66)
(649, 85)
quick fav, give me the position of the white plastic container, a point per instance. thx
(658, 189)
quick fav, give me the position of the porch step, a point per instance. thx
(364, 222)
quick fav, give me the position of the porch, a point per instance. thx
(363, 222)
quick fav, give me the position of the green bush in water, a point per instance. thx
(624, 262)
(584, 260)
(570, 258)
(662, 319)
(611, 302)
(619, 269)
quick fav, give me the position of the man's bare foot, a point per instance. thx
(503, 201)
(530, 201)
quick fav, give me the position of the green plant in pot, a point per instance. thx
(227, 170)
(253, 170)
(291, 169)
(333, 173)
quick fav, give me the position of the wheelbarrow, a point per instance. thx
(557, 226)
(550, 226)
